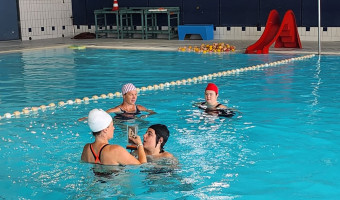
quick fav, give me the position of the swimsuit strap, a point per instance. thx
(218, 105)
(121, 110)
(137, 110)
(124, 111)
(100, 152)
(202, 106)
(96, 157)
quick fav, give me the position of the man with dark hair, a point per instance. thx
(154, 140)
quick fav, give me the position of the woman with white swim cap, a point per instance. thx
(100, 151)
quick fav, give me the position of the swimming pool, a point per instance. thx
(283, 145)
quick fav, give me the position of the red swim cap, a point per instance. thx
(212, 87)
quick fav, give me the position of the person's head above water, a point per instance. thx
(127, 88)
(129, 93)
(212, 87)
(98, 120)
(211, 94)
(156, 137)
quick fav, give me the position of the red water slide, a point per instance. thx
(285, 34)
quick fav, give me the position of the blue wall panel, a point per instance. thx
(217, 12)
(133, 3)
(79, 12)
(281, 6)
(9, 20)
(239, 13)
(309, 13)
(201, 12)
(90, 7)
(169, 3)
(330, 13)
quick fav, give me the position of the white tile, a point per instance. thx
(302, 31)
(336, 32)
(237, 31)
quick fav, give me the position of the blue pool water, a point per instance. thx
(284, 143)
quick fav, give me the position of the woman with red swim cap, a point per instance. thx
(211, 94)
(211, 106)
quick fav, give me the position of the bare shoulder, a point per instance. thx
(86, 145)
(84, 155)
(142, 108)
(117, 150)
(114, 110)
(167, 155)
(222, 106)
(115, 147)
(118, 155)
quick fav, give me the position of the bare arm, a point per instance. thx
(140, 149)
(125, 158)
(142, 108)
(84, 154)
(82, 119)
(114, 110)
(117, 155)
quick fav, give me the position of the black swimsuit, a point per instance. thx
(124, 115)
(97, 157)
(205, 107)
(217, 111)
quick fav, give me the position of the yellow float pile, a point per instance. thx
(209, 48)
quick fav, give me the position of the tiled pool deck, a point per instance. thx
(158, 44)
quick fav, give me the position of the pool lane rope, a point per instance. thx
(86, 100)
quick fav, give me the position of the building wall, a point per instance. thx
(252, 33)
(42, 19)
(9, 28)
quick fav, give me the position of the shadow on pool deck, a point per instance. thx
(158, 44)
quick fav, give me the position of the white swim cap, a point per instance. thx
(127, 88)
(98, 120)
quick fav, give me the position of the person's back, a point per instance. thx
(100, 152)
(109, 155)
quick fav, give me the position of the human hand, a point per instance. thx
(136, 139)
(143, 116)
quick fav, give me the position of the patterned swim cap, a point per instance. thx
(127, 88)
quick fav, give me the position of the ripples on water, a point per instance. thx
(283, 143)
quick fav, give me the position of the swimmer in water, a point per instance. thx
(100, 151)
(128, 108)
(211, 94)
(211, 105)
(154, 140)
